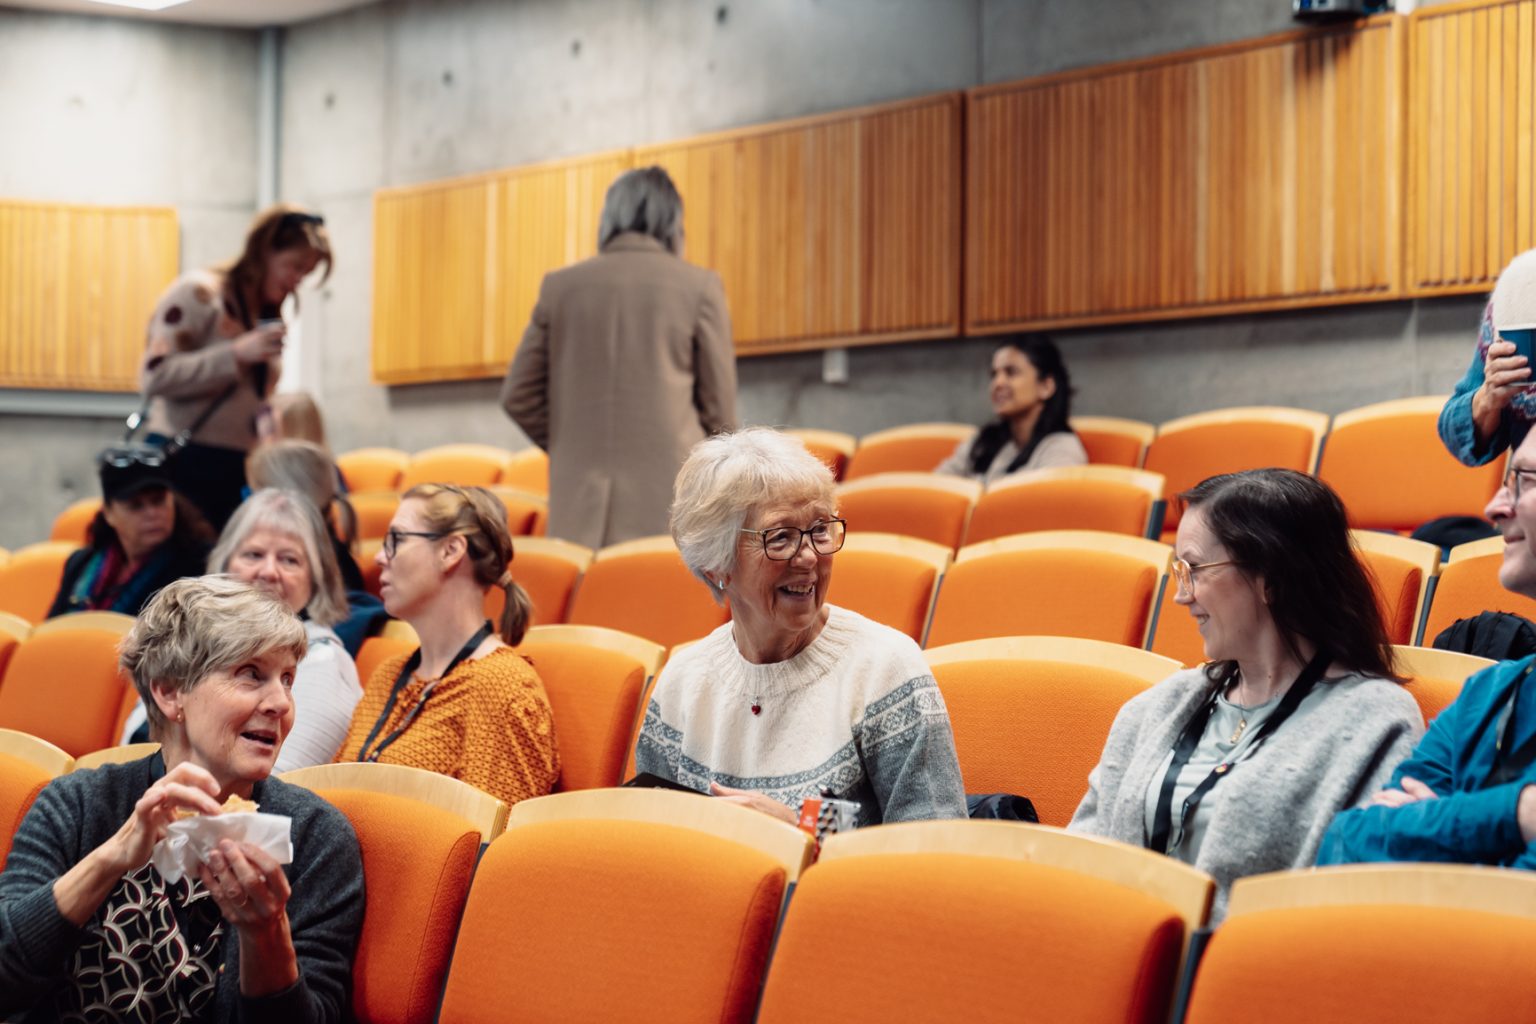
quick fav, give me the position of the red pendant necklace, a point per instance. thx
(757, 706)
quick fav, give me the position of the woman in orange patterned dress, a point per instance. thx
(464, 704)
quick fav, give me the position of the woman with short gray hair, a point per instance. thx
(794, 697)
(242, 937)
(626, 364)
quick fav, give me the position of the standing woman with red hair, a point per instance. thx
(213, 354)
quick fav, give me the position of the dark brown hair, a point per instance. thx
(275, 229)
(1290, 529)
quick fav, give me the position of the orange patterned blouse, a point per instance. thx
(488, 723)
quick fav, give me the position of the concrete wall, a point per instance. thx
(105, 110)
(404, 92)
(408, 92)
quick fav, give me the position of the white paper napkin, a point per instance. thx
(188, 842)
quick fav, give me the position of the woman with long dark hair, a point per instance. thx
(1238, 766)
(1032, 395)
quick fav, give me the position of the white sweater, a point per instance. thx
(856, 712)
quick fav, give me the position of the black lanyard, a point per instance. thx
(411, 665)
(1162, 819)
(1508, 764)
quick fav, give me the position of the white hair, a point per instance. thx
(728, 477)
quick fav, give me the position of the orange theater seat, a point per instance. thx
(1108, 498)
(1389, 466)
(593, 677)
(1112, 441)
(972, 937)
(27, 764)
(63, 685)
(468, 465)
(30, 579)
(417, 863)
(889, 579)
(372, 469)
(527, 470)
(73, 525)
(1400, 570)
(1422, 943)
(1030, 714)
(922, 505)
(1192, 448)
(526, 512)
(1435, 677)
(918, 448)
(642, 587)
(1098, 586)
(374, 510)
(830, 446)
(1469, 585)
(600, 920)
(548, 569)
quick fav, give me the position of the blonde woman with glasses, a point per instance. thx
(794, 697)
(1238, 766)
(464, 704)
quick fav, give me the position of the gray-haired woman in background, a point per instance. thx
(625, 365)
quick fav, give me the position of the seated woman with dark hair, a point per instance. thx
(1032, 396)
(1238, 766)
(145, 536)
(89, 927)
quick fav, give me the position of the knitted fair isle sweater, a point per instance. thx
(857, 712)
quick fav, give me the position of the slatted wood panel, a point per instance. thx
(1264, 174)
(842, 229)
(77, 286)
(1471, 123)
(457, 264)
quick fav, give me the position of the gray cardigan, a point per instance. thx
(78, 812)
(1270, 813)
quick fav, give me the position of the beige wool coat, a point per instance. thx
(627, 363)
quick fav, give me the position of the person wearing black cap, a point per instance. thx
(144, 537)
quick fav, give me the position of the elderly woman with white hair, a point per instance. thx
(627, 363)
(277, 542)
(794, 697)
(89, 927)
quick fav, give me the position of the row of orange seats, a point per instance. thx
(559, 918)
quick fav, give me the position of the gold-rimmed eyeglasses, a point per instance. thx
(1184, 572)
(781, 543)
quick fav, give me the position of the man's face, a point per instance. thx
(1513, 511)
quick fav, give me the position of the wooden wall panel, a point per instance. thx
(1471, 118)
(457, 264)
(77, 286)
(1258, 175)
(833, 230)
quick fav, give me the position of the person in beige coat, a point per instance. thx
(626, 364)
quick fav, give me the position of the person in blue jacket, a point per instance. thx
(1467, 794)
(1494, 403)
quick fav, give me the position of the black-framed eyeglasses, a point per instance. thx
(1512, 477)
(781, 543)
(1184, 572)
(392, 538)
